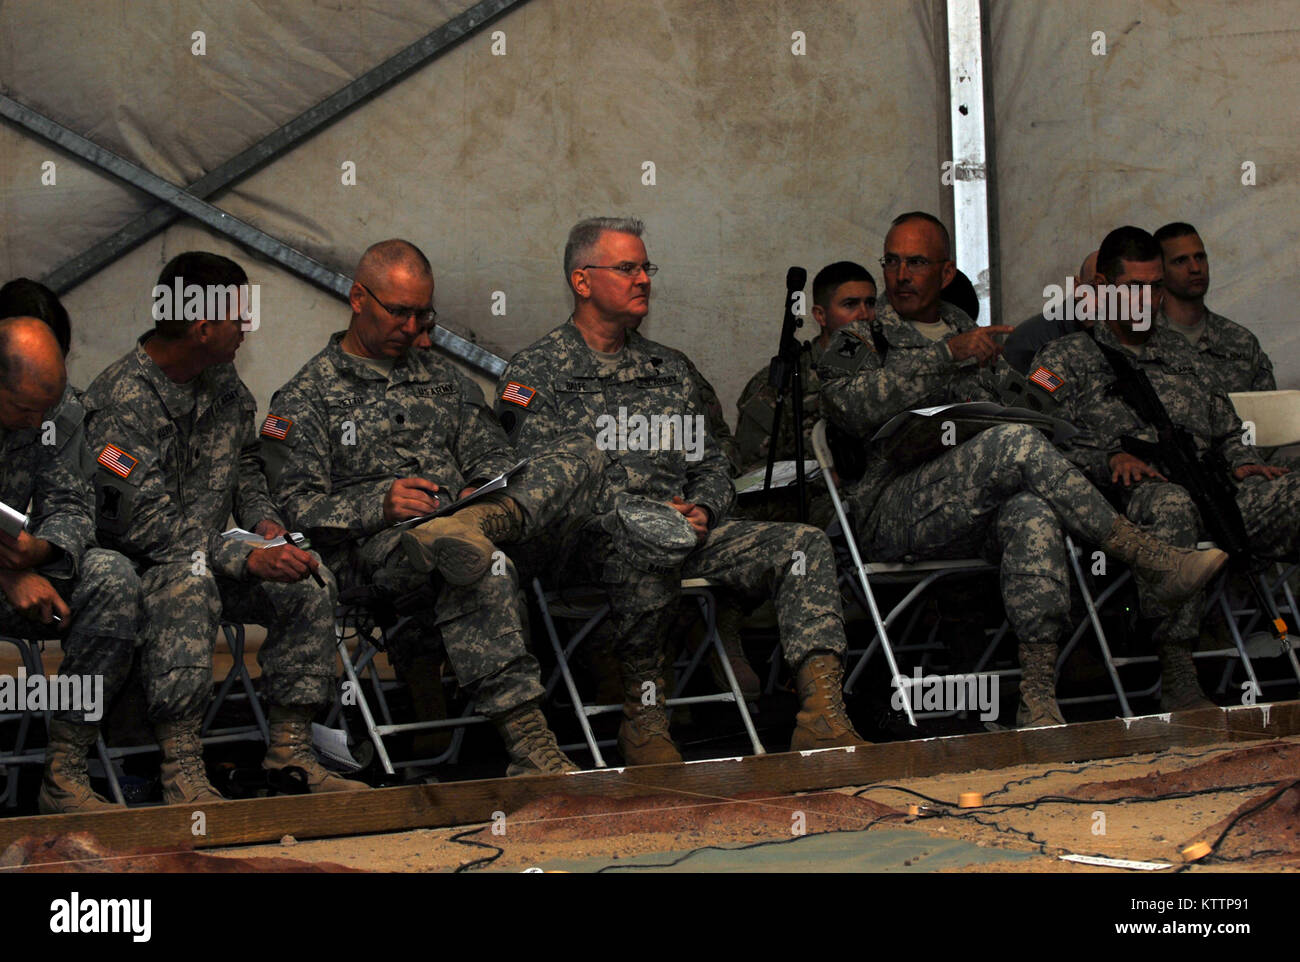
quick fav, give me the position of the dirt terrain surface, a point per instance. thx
(1143, 807)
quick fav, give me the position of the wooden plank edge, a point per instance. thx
(403, 808)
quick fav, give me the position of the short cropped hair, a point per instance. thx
(1126, 243)
(1174, 229)
(830, 277)
(929, 219)
(23, 297)
(586, 233)
(195, 267)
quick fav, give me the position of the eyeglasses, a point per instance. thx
(627, 268)
(424, 316)
(915, 264)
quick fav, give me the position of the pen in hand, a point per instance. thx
(297, 540)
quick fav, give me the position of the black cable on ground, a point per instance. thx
(464, 839)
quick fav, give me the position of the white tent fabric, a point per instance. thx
(763, 158)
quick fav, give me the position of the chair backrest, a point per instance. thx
(1275, 414)
(822, 448)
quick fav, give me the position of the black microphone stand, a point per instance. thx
(785, 376)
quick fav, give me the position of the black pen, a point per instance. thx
(297, 540)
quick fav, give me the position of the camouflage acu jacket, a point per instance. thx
(339, 433)
(174, 462)
(52, 478)
(758, 403)
(1231, 354)
(860, 392)
(554, 385)
(1102, 417)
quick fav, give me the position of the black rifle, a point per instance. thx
(785, 376)
(1205, 478)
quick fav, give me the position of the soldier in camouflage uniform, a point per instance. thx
(595, 374)
(1269, 501)
(54, 568)
(174, 428)
(842, 292)
(1005, 493)
(1225, 349)
(371, 432)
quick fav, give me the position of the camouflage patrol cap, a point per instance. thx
(652, 535)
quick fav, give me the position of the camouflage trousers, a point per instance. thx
(1270, 510)
(791, 563)
(101, 637)
(1003, 495)
(482, 627)
(183, 609)
(820, 509)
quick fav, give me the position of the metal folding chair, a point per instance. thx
(29, 655)
(922, 574)
(355, 621)
(587, 604)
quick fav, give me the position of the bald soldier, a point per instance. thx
(1032, 335)
(375, 431)
(174, 433)
(1005, 493)
(54, 581)
(665, 496)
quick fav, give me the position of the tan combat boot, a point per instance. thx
(460, 546)
(184, 777)
(822, 721)
(1171, 574)
(66, 786)
(1038, 707)
(531, 743)
(1180, 689)
(291, 748)
(643, 737)
(729, 619)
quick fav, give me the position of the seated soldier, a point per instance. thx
(52, 569)
(1085, 383)
(1004, 493)
(374, 431)
(665, 494)
(174, 428)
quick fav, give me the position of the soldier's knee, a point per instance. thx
(182, 585)
(101, 566)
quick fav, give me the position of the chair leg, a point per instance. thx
(562, 663)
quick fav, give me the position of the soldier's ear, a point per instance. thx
(578, 281)
(819, 313)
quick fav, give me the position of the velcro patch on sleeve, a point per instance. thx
(517, 393)
(117, 460)
(276, 428)
(1045, 379)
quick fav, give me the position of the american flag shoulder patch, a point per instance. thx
(117, 460)
(276, 428)
(516, 393)
(1045, 379)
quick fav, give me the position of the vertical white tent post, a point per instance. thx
(970, 200)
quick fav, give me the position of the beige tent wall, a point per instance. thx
(763, 159)
(1156, 130)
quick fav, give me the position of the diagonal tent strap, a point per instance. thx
(220, 221)
(101, 254)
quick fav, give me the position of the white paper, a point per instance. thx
(256, 540)
(496, 484)
(783, 475)
(1116, 862)
(332, 744)
(12, 522)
